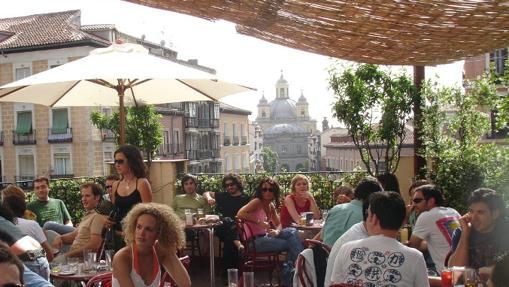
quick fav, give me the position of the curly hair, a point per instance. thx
(170, 230)
(275, 189)
(298, 177)
(235, 178)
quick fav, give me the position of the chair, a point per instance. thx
(253, 260)
(165, 277)
(302, 271)
(344, 285)
(101, 280)
(100, 251)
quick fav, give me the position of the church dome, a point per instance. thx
(284, 128)
(281, 81)
(282, 109)
(263, 100)
(302, 99)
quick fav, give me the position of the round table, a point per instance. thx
(81, 277)
(317, 226)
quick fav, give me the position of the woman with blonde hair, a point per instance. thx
(298, 201)
(152, 235)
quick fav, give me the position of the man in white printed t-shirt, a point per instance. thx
(380, 260)
(434, 225)
(356, 232)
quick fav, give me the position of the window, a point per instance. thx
(62, 164)
(282, 91)
(302, 113)
(26, 166)
(192, 109)
(216, 111)
(299, 148)
(24, 122)
(284, 149)
(108, 157)
(234, 131)
(241, 130)
(225, 129)
(60, 121)
(22, 73)
(176, 142)
(499, 58)
(263, 114)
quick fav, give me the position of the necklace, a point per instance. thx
(127, 183)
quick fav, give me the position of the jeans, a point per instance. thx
(31, 279)
(40, 266)
(57, 227)
(287, 240)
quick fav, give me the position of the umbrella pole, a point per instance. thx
(121, 115)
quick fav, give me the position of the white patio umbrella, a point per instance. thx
(122, 74)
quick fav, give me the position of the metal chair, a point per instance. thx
(253, 260)
(166, 278)
(101, 280)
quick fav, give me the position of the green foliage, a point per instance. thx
(322, 184)
(374, 106)
(143, 127)
(453, 125)
(270, 159)
(68, 190)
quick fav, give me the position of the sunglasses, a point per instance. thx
(229, 184)
(417, 200)
(119, 161)
(109, 186)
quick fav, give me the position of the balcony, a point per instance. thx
(107, 136)
(192, 154)
(169, 149)
(205, 153)
(24, 181)
(243, 140)
(227, 141)
(208, 123)
(63, 136)
(191, 122)
(236, 140)
(57, 176)
(25, 138)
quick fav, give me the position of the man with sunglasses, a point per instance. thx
(108, 184)
(434, 226)
(228, 203)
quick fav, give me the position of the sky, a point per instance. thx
(237, 58)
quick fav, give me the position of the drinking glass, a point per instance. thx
(248, 279)
(233, 277)
(108, 254)
(73, 263)
(469, 277)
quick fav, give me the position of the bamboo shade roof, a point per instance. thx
(396, 32)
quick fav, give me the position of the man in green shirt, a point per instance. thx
(190, 199)
(51, 212)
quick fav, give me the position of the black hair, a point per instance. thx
(235, 178)
(389, 181)
(6, 256)
(432, 191)
(366, 187)
(187, 177)
(416, 184)
(491, 198)
(499, 274)
(134, 159)
(16, 204)
(389, 208)
(275, 189)
(113, 177)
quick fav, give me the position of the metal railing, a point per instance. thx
(243, 140)
(226, 141)
(236, 140)
(21, 139)
(57, 137)
(169, 149)
(107, 136)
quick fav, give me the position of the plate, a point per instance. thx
(67, 273)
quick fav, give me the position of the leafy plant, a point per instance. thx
(374, 106)
(270, 159)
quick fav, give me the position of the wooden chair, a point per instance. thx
(253, 260)
(101, 280)
(165, 277)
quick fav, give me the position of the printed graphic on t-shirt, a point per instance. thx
(375, 268)
(447, 225)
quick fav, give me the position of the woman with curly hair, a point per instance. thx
(153, 235)
(269, 236)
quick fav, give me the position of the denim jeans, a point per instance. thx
(40, 266)
(57, 227)
(287, 240)
(32, 279)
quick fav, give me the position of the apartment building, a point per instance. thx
(61, 142)
(235, 146)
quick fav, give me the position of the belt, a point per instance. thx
(31, 255)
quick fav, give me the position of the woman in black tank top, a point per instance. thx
(133, 186)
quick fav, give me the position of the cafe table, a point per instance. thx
(316, 226)
(210, 228)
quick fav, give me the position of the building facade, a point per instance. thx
(62, 142)
(235, 146)
(286, 126)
